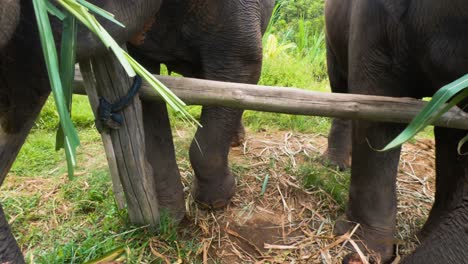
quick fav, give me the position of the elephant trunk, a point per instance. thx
(134, 14)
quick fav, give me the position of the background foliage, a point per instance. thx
(294, 10)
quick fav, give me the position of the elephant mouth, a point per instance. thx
(139, 38)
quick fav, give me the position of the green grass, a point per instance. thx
(92, 226)
(38, 155)
(82, 114)
(332, 181)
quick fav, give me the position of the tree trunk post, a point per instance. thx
(126, 149)
(91, 90)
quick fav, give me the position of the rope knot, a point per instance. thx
(109, 114)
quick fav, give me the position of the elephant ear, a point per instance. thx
(396, 8)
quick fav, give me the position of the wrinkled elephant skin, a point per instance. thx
(24, 85)
(9, 17)
(209, 39)
(399, 48)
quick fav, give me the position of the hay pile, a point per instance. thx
(273, 219)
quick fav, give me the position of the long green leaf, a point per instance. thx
(51, 59)
(433, 110)
(82, 14)
(53, 10)
(129, 64)
(101, 12)
(67, 74)
(168, 96)
(61, 76)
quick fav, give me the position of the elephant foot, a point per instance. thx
(377, 243)
(174, 207)
(433, 221)
(342, 162)
(214, 194)
(172, 202)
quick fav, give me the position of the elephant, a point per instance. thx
(398, 48)
(209, 39)
(24, 84)
(9, 17)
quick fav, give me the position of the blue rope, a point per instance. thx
(108, 113)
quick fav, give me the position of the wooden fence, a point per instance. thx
(131, 174)
(296, 101)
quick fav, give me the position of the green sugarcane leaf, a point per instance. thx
(51, 59)
(118, 51)
(127, 62)
(61, 76)
(168, 96)
(161, 88)
(67, 68)
(433, 110)
(90, 21)
(76, 10)
(101, 12)
(55, 11)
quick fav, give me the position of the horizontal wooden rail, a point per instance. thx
(296, 101)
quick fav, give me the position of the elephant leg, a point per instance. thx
(161, 156)
(241, 61)
(24, 89)
(239, 137)
(446, 236)
(160, 149)
(10, 144)
(9, 250)
(372, 194)
(214, 184)
(448, 242)
(11, 141)
(338, 152)
(450, 168)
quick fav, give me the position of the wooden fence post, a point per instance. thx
(127, 149)
(91, 91)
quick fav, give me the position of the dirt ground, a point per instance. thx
(273, 218)
(285, 223)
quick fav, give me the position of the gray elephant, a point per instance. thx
(399, 48)
(9, 17)
(210, 39)
(24, 85)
